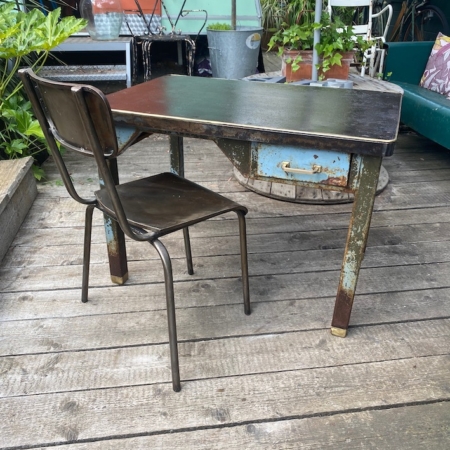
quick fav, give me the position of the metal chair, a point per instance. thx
(80, 119)
(148, 30)
(374, 57)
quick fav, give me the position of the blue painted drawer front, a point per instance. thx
(267, 161)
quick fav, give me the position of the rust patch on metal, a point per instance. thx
(115, 241)
(336, 181)
(342, 309)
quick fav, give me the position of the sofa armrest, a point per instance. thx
(406, 61)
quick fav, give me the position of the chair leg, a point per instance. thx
(187, 247)
(87, 252)
(244, 261)
(190, 56)
(146, 59)
(170, 300)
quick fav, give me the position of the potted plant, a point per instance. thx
(336, 49)
(277, 12)
(233, 50)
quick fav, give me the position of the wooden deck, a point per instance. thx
(272, 62)
(96, 376)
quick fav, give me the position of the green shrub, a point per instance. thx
(26, 39)
(220, 27)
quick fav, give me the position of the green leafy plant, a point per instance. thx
(335, 39)
(294, 37)
(275, 13)
(220, 27)
(26, 39)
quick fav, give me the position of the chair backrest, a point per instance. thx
(148, 21)
(365, 30)
(141, 21)
(74, 115)
(79, 118)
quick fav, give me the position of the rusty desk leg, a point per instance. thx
(176, 155)
(365, 184)
(115, 240)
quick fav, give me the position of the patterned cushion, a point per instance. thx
(437, 72)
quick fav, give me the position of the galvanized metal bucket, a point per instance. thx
(234, 53)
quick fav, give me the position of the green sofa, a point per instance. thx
(426, 112)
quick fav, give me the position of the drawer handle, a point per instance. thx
(286, 166)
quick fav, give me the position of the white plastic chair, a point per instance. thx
(373, 57)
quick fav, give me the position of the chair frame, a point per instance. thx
(376, 54)
(146, 40)
(93, 114)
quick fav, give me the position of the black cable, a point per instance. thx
(179, 14)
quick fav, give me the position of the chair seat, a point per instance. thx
(164, 37)
(165, 203)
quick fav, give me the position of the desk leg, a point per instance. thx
(176, 155)
(115, 240)
(365, 188)
(128, 64)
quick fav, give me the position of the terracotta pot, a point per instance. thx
(305, 70)
(341, 72)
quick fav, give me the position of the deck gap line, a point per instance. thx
(188, 280)
(224, 377)
(259, 252)
(142, 283)
(366, 294)
(398, 322)
(231, 425)
(219, 338)
(152, 344)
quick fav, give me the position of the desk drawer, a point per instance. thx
(300, 164)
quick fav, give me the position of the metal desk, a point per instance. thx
(333, 138)
(93, 73)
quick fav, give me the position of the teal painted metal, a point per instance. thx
(268, 159)
(248, 14)
(125, 134)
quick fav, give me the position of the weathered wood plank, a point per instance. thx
(292, 309)
(416, 176)
(67, 253)
(274, 310)
(67, 370)
(425, 163)
(281, 224)
(401, 428)
(212, 403)
(260, 264)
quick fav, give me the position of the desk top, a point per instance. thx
(341, 119)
